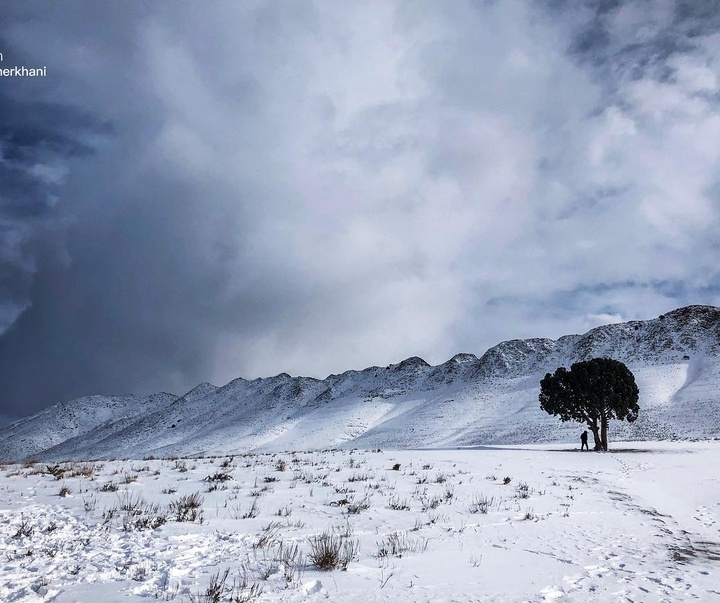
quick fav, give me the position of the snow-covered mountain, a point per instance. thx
(464, 401)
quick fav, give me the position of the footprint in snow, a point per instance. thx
(705, 517)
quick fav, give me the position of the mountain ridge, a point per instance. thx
(464, 401)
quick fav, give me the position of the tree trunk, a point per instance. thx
(596, 436)
(603, 432)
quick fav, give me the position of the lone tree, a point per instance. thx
(591, 392)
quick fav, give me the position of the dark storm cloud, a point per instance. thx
(37, 140)
(315, 187)
(611, 37)
(137, 294)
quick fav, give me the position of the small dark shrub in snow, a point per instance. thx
(214, 486)
(480, 504)
(133, 504)
(343, 489)
(430, 502)
(360, 477)
(396, 467)
(55, 470)
(507, 480)
(129, 478)
(84, 470)
(240, 591)
(151, 519)
(215, 591)
(89, 504)
(64, 491)
(137, 513)
(291, 560)
(396, 504)
(149, 522)
(268, 535)
(252, 512)
(332, 551)
(25, 530)
(187, 508)
(284, 511)
(109, 487)
(353, 508)
(397, 544)
(219, 476)
(257, 492)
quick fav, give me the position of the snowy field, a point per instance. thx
(542, 523)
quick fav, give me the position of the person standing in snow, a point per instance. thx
(583, 441)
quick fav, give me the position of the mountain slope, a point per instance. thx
(83, 419)
(464, 401)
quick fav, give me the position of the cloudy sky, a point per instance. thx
(200, 191)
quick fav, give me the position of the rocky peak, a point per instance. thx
(515, 356)
(199, 391)
(414, 362)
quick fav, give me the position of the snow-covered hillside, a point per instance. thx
(464, 401)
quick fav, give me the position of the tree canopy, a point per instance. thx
(591, 392)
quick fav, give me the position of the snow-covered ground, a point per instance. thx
(641, 523)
